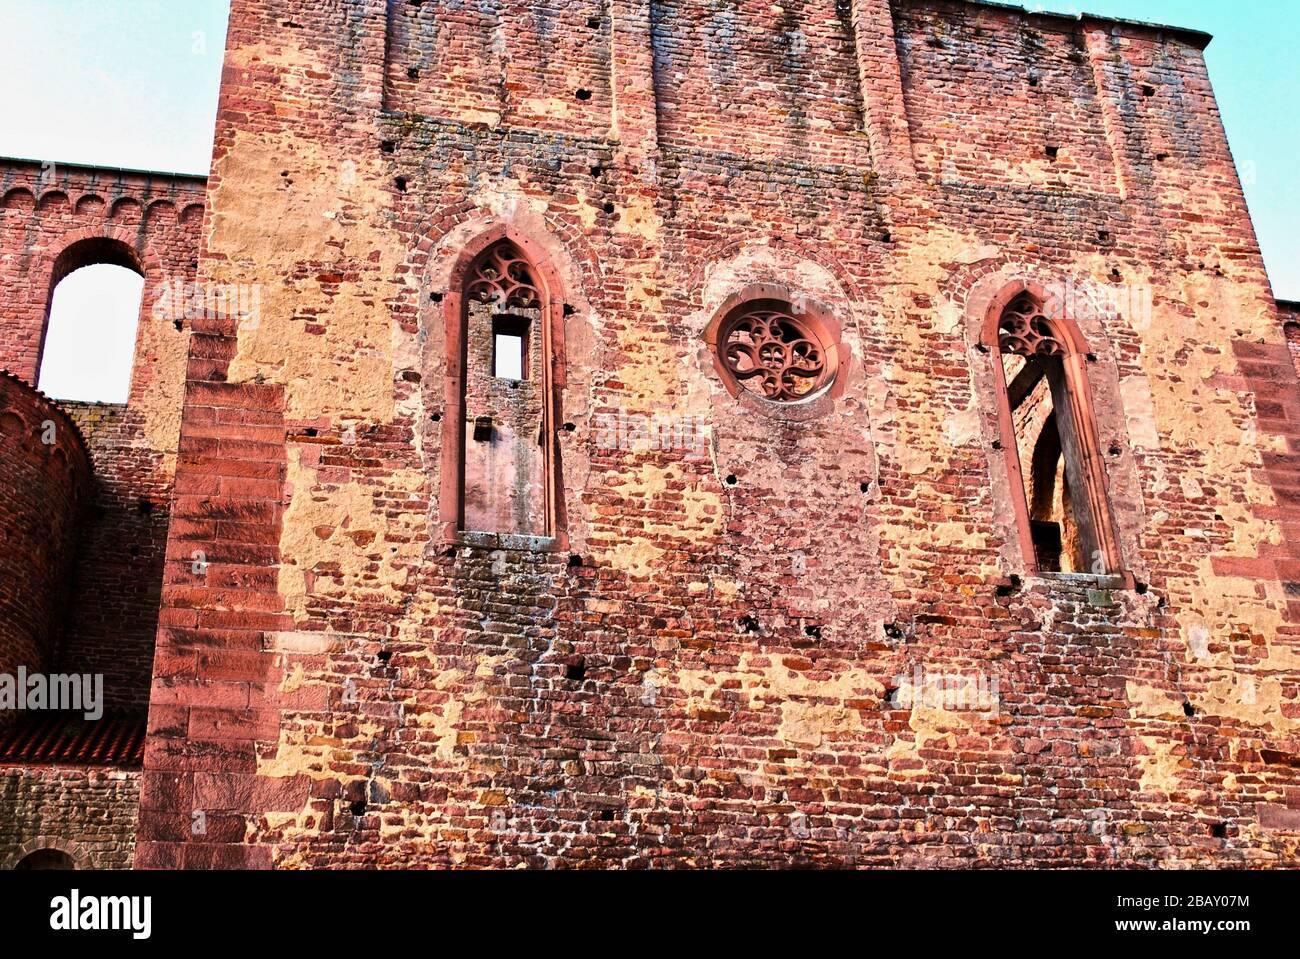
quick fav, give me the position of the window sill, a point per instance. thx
(1113, 581)
(515, 542)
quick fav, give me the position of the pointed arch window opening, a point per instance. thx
(504, 389)
(1049, 439)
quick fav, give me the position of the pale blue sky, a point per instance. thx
(134, 83)
(1256, 75)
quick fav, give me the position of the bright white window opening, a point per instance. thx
(508, 349)
(90, 338)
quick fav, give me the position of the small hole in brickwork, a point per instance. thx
(593, 22)
(1141, 588)
(570, 427)
(1219, 830)
(893, 631)
(435, 297)
(384, 655)
(1115, 449)
(1103, 235)
(311, 431)
(597, 171)
(747, 624)
(180, 325)
(997, 444)
(569, 310)
(982, 347)
(1162, 157)
(1053, 152)
(608, 208)
(134, 551)
(1033, 80)
(731, 480)
(400, 183)
(812, 630)
(583, 94)
(1009, 587)
(387, 146)
(576, 671)
(410, 376)
(358, 808)
(1115, 273)
(864, 487)
(145, 507)
(1188, 709)
(886, 237)
(412, 73)
(436, 417)
(1092, 357)
(575, 560)
(887, 697)
(1148, 91)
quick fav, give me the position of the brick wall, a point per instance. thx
(1289, 314)
(735, 658)
(45, 473)
(97, 596)
(88, 813)
(53, 219)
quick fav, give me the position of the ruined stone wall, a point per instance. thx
(785, 636)
(55, 218)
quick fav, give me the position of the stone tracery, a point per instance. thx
(773, 353)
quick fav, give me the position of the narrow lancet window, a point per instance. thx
(1050, 442)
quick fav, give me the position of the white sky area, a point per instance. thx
(91, 336)
(126, 83)
(509, 356)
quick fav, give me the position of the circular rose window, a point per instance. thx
(771, 352)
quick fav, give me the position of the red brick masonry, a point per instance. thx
(816, 637)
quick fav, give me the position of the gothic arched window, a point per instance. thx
(503, 391)
(1049, 439)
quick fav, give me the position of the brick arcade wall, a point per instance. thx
(54, 218)
(739, 657)
(46, 211)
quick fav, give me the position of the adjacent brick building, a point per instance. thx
(98, 596)
(834, 433)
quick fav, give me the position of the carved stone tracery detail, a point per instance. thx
(503, 276)
(1024, 331)
(773, 353)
